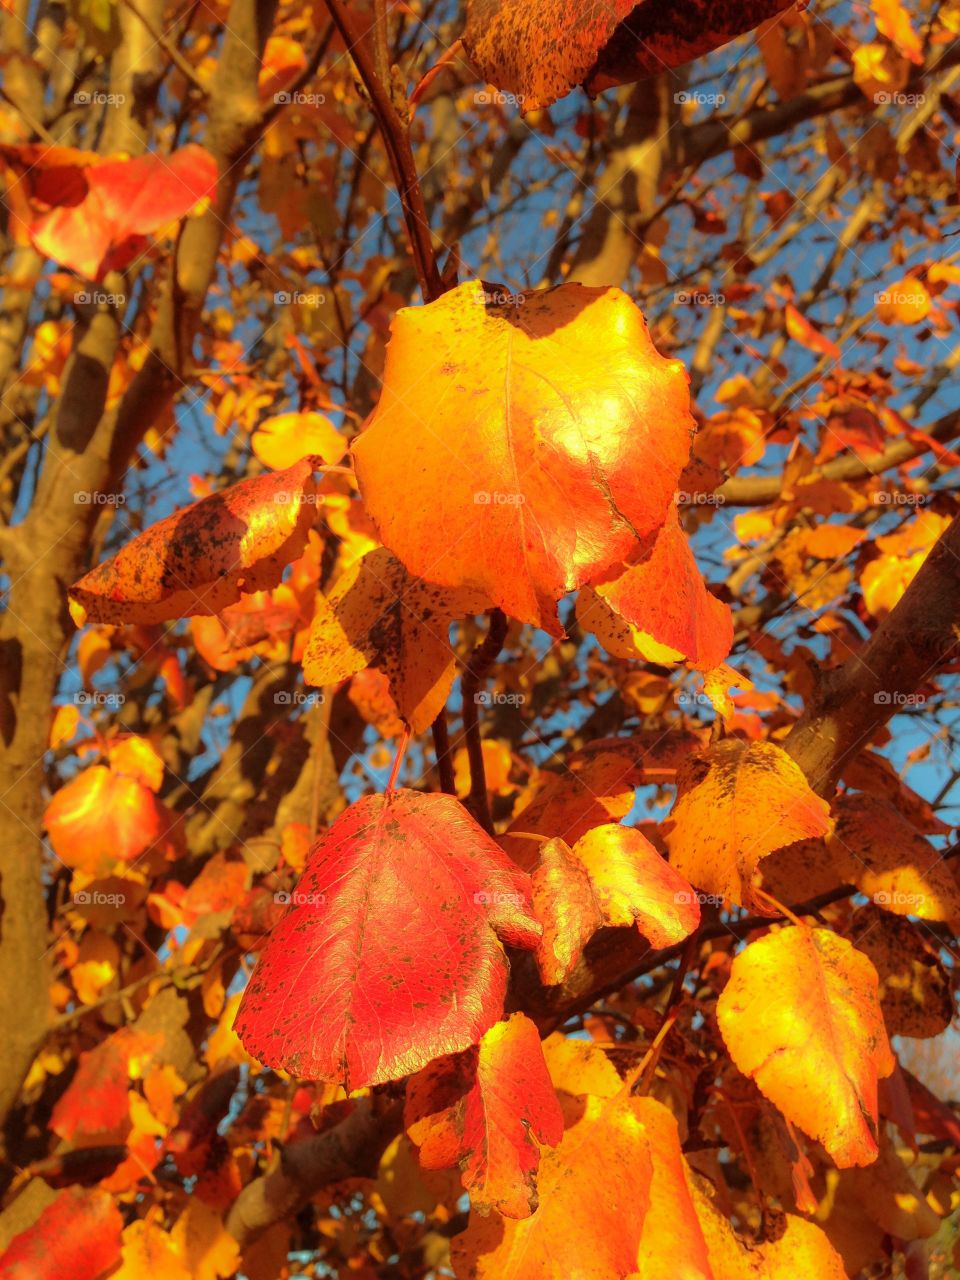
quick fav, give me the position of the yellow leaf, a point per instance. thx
(801, 1016)
(65, 722)
(202, 1241)
(148, 1252)
(137, 758)
(281, 441)
(737, 802)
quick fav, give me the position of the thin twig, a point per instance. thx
(478, 667)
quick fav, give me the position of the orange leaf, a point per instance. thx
(483, 1109)
(76, 1237)
(565, 904)
(736, 803)
(203, 558)
(801, 330)
(632, 615)
(137, 758)
(281, 441)
(594, 1190)
(537, 465)
(101, 816)
(801, 1016)
(893, 21)
(906, 302)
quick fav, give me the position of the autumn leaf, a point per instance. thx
(801, 330)
(101, 816)
(76, 1237)
(594, 1191)
(915, 989)
(97, 1100)
(94, 215)
(203, 558)
(538, 469)
(566, 905)
(893, 21)
(737, 802)
(378, 614)
(282, 441)
(633, 617)
(541, 49)
(801, 1016)
(672, 1242)
(388, 955)
(489, 1109)
(879, 851)
(905, 302)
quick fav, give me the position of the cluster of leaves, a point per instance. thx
(651, 1000)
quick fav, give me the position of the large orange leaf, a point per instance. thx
(528, 466)
(388, 956)
(541, 49)
(657, 607)
(736, 803)
(801, 1016)
(76, 1237)
(672, 1243)
(101, 816)
(95, 216)
(488, 1109)
(203, 558)
(379, 615)
(594, 1192)
(878, 850)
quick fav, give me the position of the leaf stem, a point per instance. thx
(401, 752)
(478, 667)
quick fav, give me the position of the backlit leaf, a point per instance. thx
(203, 558)
(528, 466)
(388, 955)
(76, 1237)
(737, 802)
(915, 989)
(489, 1109)
(282, 441)
(101, 816)
(801, 1016)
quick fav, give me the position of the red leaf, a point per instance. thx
(201, 559)
(77, 1237)
(388, 955)
(483, 1109)
(801, 330)
(97, 1098)
(98, 214)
